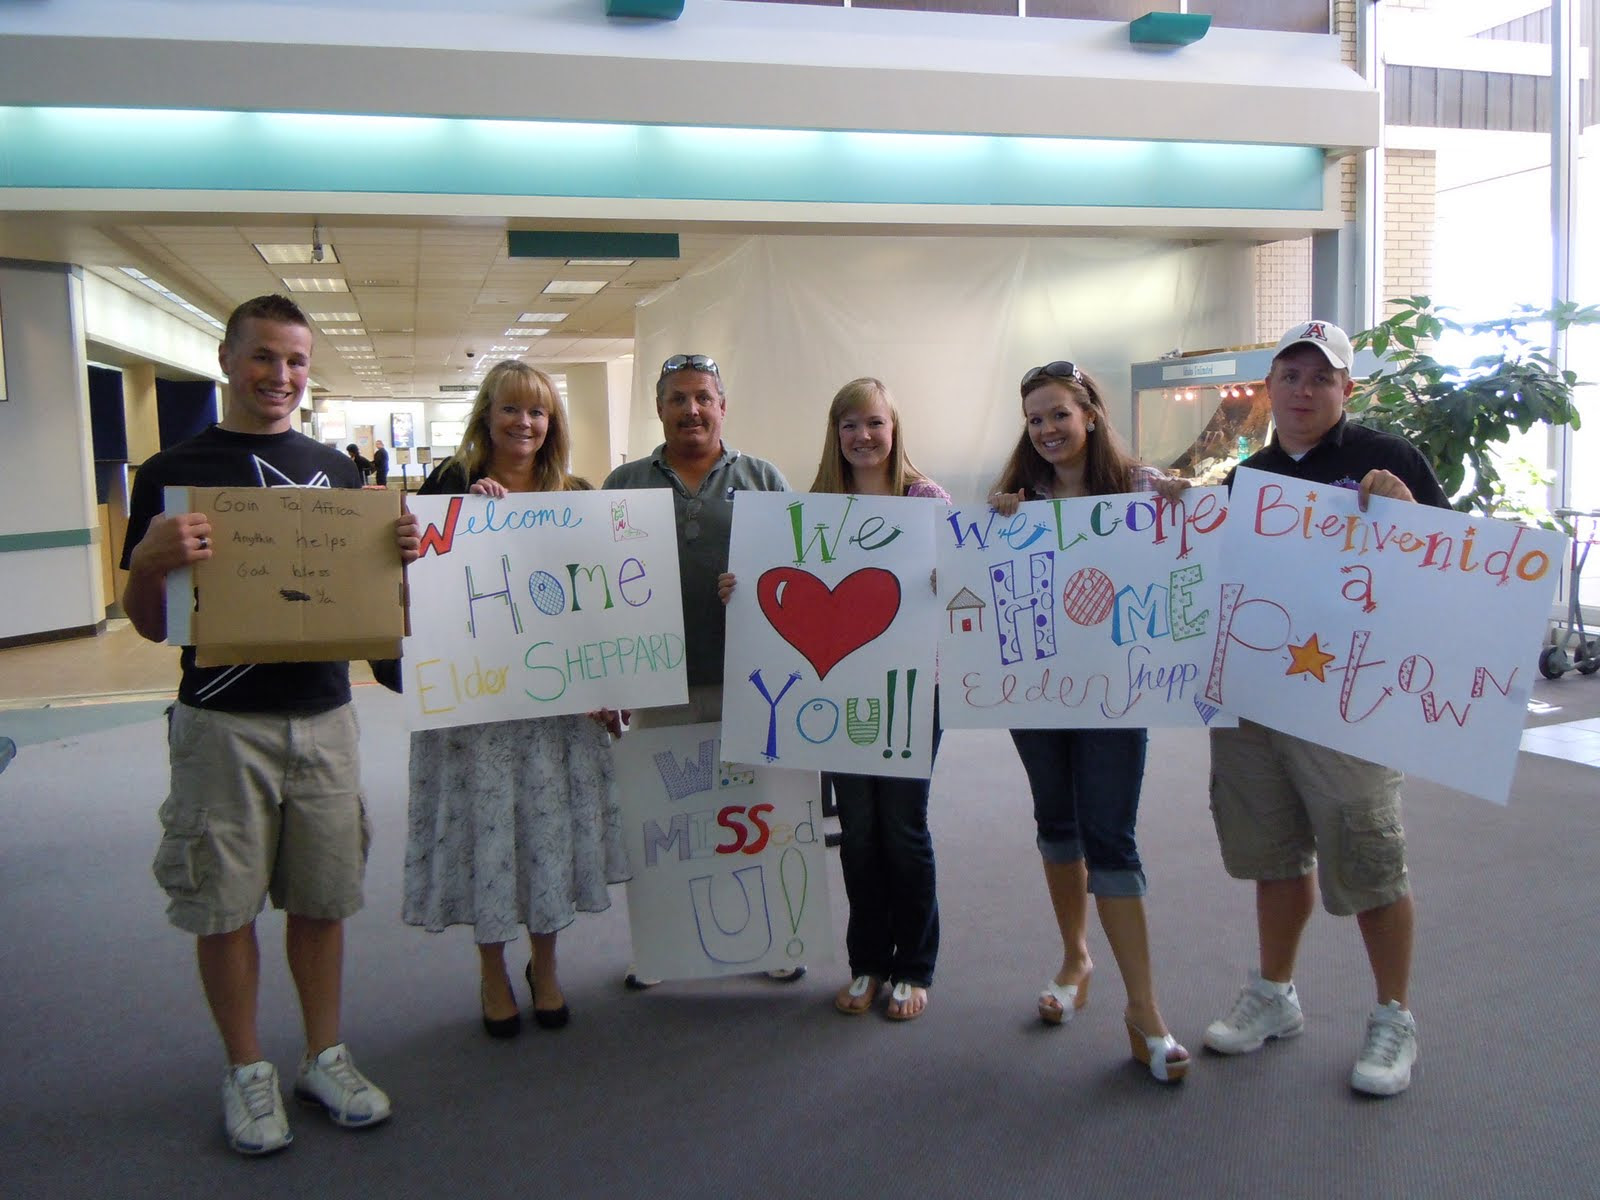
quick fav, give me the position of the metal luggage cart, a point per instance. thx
(1560, 657)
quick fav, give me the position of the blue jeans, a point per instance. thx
(887, 856)
(1085, 785)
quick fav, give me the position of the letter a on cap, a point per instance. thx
(1316, 330)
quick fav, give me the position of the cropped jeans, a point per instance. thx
(1085, 785)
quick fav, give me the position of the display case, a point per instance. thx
(1196, 415)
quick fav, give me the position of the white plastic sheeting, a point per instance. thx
(949, 324)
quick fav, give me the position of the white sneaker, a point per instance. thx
(1384, 1068)
(1261, 1012)
(331, 1080)
(252, 1109)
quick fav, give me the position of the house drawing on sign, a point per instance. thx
(966, 612)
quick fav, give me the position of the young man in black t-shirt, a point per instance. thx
(1294, 816)
(266, 793)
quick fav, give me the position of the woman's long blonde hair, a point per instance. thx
(1108, 466)
(550, 462)
(833, 469)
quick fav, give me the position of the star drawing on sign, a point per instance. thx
(1309, 659)
(1311, 497)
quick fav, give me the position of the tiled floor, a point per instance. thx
(1575, 741)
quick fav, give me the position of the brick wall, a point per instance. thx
(1283, 286)
(1409, 189)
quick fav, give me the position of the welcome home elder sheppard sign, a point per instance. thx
(539, 604)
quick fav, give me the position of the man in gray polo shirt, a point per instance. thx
(703, 474)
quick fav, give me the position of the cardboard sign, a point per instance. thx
(830, 650)
(728, 869)
(296, 574)
(539, 604)
(1407, 635)
(1093, 612)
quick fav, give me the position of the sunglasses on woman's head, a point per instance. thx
(1061, 369)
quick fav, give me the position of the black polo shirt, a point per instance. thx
(1345, 454)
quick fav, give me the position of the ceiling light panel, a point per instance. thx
(526, 331)
(573, 287)
(542, 318)
(321, 318)
(295, 252)
(344, 331)
(353, 348)
(315, 284)
(599, 262)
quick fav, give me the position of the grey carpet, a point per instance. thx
(749, 1088)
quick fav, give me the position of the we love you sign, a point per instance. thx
(831, 633)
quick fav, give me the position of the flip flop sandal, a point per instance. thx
(847, 999)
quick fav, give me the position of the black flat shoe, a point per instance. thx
(546, 1018)
(501, 1027)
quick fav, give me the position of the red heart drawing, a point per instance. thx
(827, 625)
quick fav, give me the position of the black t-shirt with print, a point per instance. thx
(218, 458)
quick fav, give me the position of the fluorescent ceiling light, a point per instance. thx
(344, 331)
(508, 349)
(321, 318)
(543, 318)
(353, 348)
(315, 283)
(573, 287)
(295, 252)
(526, 331)
(358, 357)
(599, 262)
(171, 296)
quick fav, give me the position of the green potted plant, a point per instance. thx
(1459, 417)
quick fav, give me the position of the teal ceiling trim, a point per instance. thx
(48, 539)
(655, 10)
(289, 152)
(1168, 29)
(557, 243)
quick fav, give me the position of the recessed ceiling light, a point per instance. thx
(599, 262)
(316, 283)
(171, 296)
(295, 252)
(543, 318)
(353, 348)
(573, 287)
(344, 331)
(322, 318)
(358, 357)
(526, 331)
(508, 349)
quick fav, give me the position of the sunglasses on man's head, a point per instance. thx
(690, 362)
(1060, 369)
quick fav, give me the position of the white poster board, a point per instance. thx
(543, 603)
(728, 869)
(1407, 635)
(830, 654)
(1086, 613)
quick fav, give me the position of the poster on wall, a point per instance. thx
(728, 870)
(831, 648)
(445, 436)
(538, 604)
(401, 434)
(1091, 612)
(1406, 634)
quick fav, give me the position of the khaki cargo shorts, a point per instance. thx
(262, 804)
(1284, 806)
